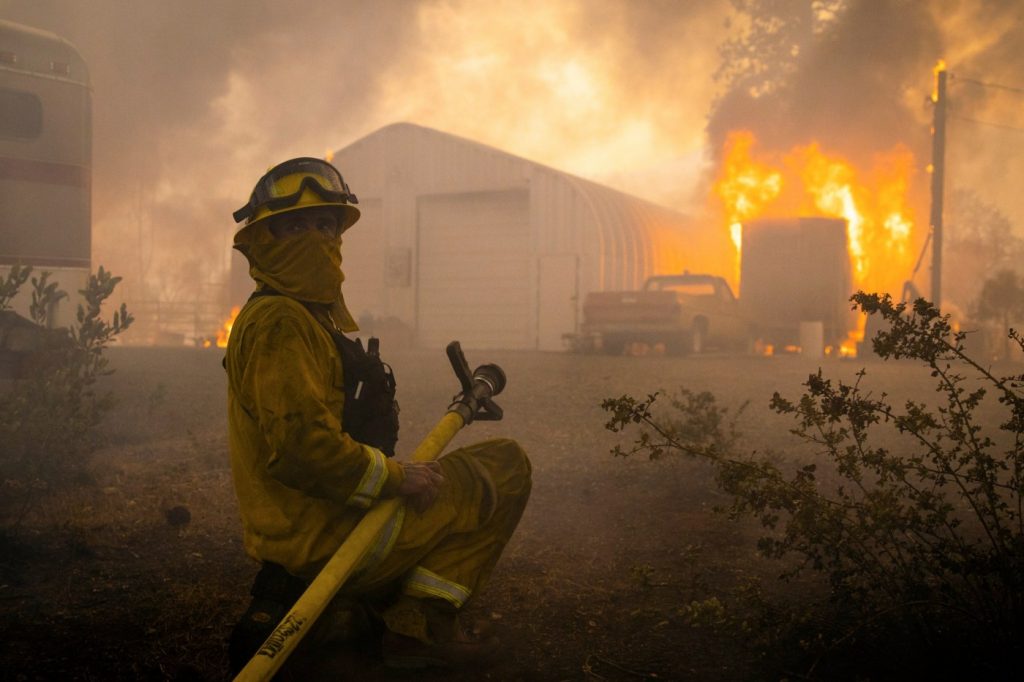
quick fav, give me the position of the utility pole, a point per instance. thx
(938, 176)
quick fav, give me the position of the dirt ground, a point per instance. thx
(100, 585)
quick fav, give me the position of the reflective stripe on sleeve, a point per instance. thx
(373, 479)
(422, 581)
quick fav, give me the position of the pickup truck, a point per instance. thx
(687, 313)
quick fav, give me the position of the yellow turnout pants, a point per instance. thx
(447, 553)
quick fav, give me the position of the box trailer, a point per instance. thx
(796, 272)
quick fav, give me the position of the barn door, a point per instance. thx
(474, 275)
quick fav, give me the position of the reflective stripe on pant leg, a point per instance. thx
(382, 545)
(423, 582)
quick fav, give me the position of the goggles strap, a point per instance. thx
(274, 203)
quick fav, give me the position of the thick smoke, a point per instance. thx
(193, 100)
(845, 85)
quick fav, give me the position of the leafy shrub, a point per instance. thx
(922, 547)
(50, 411)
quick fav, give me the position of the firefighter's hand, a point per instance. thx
(421, 485)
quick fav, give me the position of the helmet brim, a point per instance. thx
(348, 215)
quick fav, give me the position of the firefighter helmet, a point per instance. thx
(300, 183)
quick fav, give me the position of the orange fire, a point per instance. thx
(745, 186)
(807, 181)
(225, 331)
(879, 220)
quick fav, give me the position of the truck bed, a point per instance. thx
(683, 312)
(631, 307)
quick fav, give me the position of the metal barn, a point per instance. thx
(459, 240)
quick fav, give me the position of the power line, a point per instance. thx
(988, 123)
(998, 86)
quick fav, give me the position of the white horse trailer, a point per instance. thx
(45, 163)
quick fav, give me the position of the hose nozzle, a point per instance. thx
(486, 381)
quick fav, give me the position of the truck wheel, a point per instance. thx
(677, 345)
(613, 345)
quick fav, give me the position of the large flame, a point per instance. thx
(874, 204)
(744, 185)
(807, 181)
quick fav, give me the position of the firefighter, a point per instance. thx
(312, 423)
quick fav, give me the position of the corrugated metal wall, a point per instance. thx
(612, 239)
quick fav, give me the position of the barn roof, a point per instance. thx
(635, 237)
(603, 197)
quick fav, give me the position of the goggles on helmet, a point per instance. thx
(282, 187)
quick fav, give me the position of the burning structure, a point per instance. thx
(857, 231)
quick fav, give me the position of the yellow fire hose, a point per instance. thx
(474, 402)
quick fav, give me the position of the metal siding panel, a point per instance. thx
(364, 247)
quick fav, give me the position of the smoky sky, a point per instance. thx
(846, 85)
(860, 85)
(171, 156)
(194, 100)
